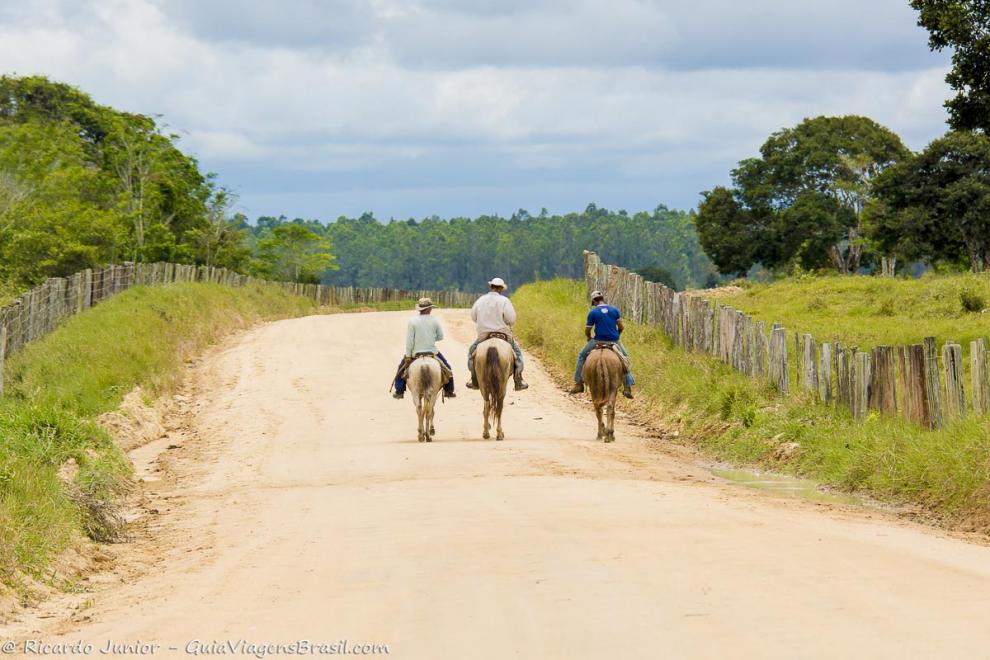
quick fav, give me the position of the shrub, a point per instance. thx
(972, 300)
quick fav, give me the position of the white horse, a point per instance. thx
(424, 382)
(493, 364)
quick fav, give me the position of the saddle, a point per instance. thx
(613, 346)
(445, 374)
(497, 335)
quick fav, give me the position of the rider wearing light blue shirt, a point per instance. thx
(606, 323)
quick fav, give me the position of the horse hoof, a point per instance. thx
(486, 435)
(499, 438)
(433, 431)
(429, 439)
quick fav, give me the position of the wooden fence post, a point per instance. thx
(809, 364)
(861, 384)
(979, 375)
(778, 358)
(825, 374)
(933, 386)
(883, 384)
(955, 395)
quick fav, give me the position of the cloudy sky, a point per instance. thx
(318, 108)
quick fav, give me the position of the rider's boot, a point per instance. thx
(520, 385)
(576, 389)
(627, 391)
(473, 383)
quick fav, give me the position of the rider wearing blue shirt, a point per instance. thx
(606, 323)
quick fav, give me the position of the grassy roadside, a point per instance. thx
(58, 385)
(869, 311)
(735, 419)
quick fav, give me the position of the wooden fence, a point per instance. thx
(919, 382)
(43, 308)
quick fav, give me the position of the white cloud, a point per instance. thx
(411, 108)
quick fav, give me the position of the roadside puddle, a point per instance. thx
(784, 486)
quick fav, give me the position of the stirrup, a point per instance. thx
(627, 392)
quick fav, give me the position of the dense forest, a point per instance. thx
(463, 253)
(83, 184)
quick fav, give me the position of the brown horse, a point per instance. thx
(603, 375)
(425, 380)
(493, 362)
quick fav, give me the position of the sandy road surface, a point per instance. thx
(300, 506)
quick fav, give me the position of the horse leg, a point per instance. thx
(499, 435)
(420, 417)
(610, 431)
(488, 411)
(602, 414)
(429, 419)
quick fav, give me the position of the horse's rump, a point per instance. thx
(603, 373)
(424, 376)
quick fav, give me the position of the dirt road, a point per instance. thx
(300, 506)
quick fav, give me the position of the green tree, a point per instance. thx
(83, 184)
(964, 27)
(802, 200)
(295, 253)
(936, 206)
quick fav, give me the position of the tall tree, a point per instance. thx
(802, 200)
(936, 207)
(964, 27)
(296, 254)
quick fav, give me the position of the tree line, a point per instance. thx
(464, 253)
(843, 192)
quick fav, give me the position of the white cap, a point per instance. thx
(497, 281)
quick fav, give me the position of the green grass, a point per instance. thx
(58, 385)
(735, 419)
(871, 311)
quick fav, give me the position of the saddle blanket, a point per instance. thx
(626, 364)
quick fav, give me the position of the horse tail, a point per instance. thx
(425, 381)
(606, 382)
(495, 381)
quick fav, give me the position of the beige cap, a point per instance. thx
(497, 281)
(424, 303)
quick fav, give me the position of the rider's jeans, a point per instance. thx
(583, 357)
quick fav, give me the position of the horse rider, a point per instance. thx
(494, 313)
(422, 334)
(606, 322)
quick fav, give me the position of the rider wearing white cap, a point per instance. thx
(494, 313)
